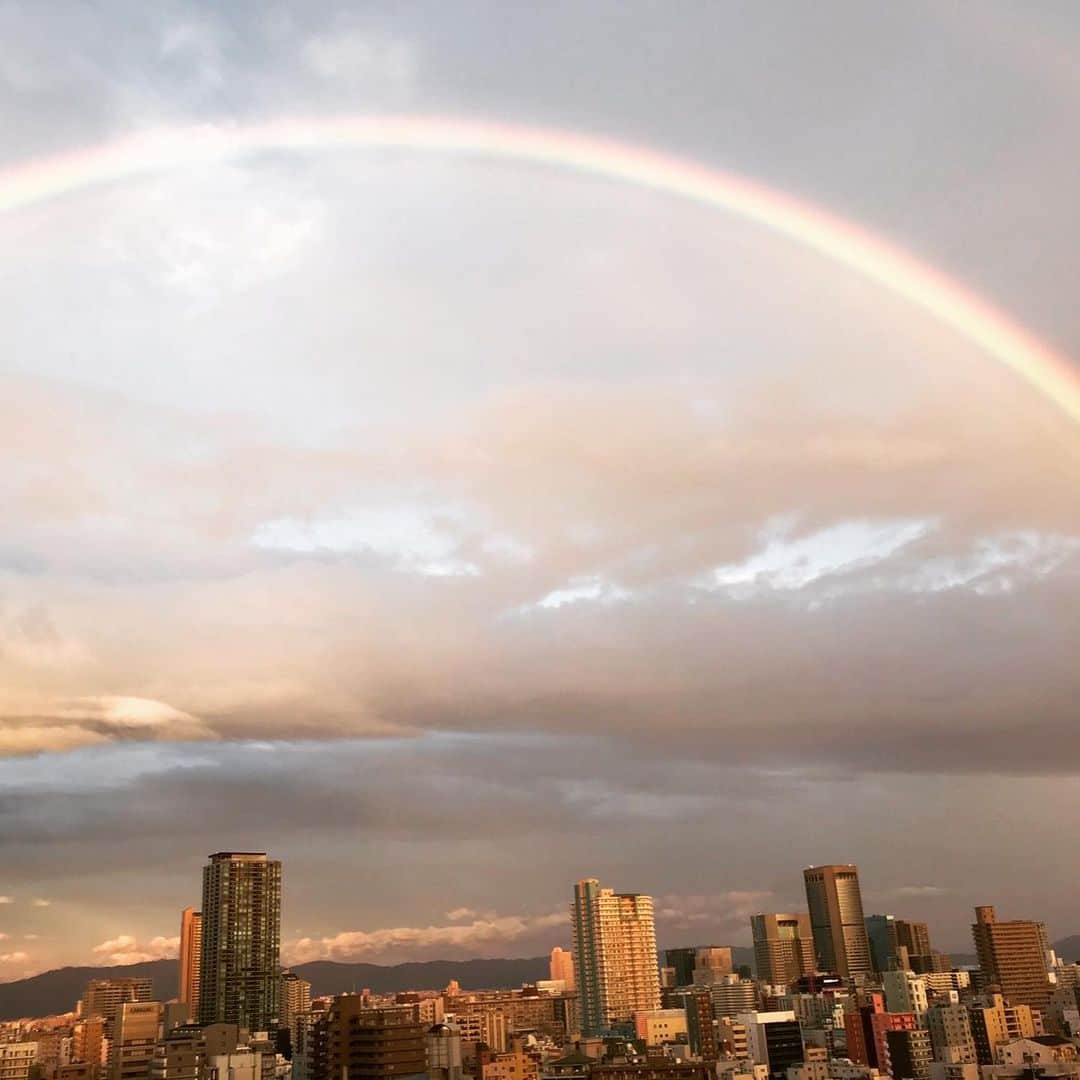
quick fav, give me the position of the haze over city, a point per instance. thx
(457, 515)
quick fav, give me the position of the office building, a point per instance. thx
(656, 1027)
(773, 1039)
(136, 1030)
(836, 920)
(190, 959)
(239, 974)
(1013, 956)
(104, 997)
(783, 947)
(696, 1002)
(681, 962)
(614, 956)
(914, 939)
(711, 964)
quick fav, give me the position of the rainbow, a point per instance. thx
(945, 299)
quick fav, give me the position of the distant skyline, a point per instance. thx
(457, 528)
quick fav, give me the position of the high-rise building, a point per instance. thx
(783, 947)
(773, 1039)
(561, 967)
(881, 936)
(836, 919)
(103, 997)
(190, 959)
(905, 992)
(1012, 955)
(614, 956)
(239, 974)
(681, 961)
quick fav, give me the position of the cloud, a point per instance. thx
(7, 899)
(40, 902)
(126, 949)
(920, 890)
(481, 934)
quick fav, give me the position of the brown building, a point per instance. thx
(836, 919)
(655, 1069)
(783, 947)
(363, 1043)
(87, 1038)
(513, 1064)
(190, 959)
(1012, 956)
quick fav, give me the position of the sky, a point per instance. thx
(454, 529)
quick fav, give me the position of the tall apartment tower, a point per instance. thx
(294, 1001)
(783, 947)
(190, 959)
(1012, 955)
(240, 973)
(614, 956)
(561, 966)
(836, 919)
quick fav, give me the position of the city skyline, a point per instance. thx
(691, 921)
(466, 453)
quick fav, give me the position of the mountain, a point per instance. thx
(57, 991)
(1068, 949)
(330, 977)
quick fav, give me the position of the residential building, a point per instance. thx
(836, 920)
(352, 1039)
(88, 1039)
(239, 974)
(1037, 1050)
(905, 992)
(783, 947)
(615, 956)
(512, 1064)
(1013, 956)
(908, 1055)
(17, 1060)
(950, 1034)
(734, 995)
(190, 960)
(294, 1000)
(993, 1023)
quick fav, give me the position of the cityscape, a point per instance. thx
(832, 993)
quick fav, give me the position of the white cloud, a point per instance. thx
(126, 949)
(362, 59)
(7, 899)
(482, 932)
(790, 562)
(41, 902)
